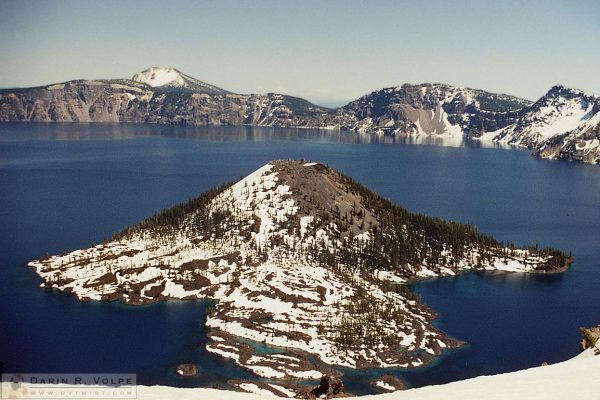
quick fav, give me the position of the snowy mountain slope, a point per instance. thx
(432, 109)
(171, 78)
(299, 256)
(560, 111)
(582, 144)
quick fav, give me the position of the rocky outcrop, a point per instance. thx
(77, 101)
(328, 388)
(591, 338)
(388, 383)
(579, 145)
(187, 369)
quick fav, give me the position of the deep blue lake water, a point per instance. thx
(64, 187)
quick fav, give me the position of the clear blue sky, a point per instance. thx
(327, 51)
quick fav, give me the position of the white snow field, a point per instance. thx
(577, 378)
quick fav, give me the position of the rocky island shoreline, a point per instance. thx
(299, 257)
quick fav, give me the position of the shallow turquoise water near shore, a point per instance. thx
(64, 187)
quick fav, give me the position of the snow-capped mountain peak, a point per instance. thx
(157, 76)
(172, 78)
(564, 91)
(560, 111)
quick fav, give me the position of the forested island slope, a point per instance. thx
(295, 255)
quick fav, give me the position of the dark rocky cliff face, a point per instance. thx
(407, 109)
(76, 101)
(580, 145)
(434, 108)
(128, 101)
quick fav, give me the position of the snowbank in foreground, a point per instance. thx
(573, 379)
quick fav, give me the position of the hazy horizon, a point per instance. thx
(327, 52)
